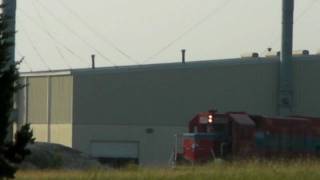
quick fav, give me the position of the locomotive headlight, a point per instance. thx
(210, 120)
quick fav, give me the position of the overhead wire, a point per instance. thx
(23, 59)
(212, 13)
(297, 20)
(305, 11)
(34, 47)
(27, 64)
(95, 32)
(52, 37)
(56, 47)
(76, 34)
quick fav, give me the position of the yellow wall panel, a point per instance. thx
(61, 99)
(37, 100)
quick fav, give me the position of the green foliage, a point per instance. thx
(11, 153)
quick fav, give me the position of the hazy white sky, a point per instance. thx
(63, 34)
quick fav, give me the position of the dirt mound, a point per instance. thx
(55, 156)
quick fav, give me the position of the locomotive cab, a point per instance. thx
(209, 136)
(221, 128)
(212, 135)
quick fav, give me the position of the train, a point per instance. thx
(238, 134)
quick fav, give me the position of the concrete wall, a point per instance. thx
(49, 108)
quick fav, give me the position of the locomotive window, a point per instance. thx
(219, 127)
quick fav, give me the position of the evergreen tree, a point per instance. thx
(12, 153)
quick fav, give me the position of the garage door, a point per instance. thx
(115, 149)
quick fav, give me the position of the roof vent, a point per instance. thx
(250, 55)
(300, 53)
(183, 51)
(93, 61)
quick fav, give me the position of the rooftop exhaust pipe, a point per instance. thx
(183, 52)
(93, 63)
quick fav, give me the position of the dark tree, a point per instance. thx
(12, 152)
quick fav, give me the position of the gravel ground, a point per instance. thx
(55, 156)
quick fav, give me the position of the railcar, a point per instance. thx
(239, 134)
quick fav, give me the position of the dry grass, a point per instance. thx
(250, 170)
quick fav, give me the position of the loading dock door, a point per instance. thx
(115, 149)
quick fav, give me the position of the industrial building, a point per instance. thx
(134, 112)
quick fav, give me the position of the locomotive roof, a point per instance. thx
(287, 118)
(242, 119)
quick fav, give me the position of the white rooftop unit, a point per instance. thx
(250, 55)
(300, 53)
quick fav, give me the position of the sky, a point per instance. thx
(63, 34)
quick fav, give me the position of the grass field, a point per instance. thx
(253, 170)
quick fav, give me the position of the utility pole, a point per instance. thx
(286, 71)
(10, 11)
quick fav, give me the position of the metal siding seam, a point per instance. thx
(71, 100)
(22, 103)
(49, 108)
(27, 100)
(72, 110)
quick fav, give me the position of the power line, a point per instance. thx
(23, 59)
(27, 64)
(47, 32)
(194, 26)
(76, 34)
(97, 33)
(35, 48)
(57, 48)
(305, 11)
(296, 21)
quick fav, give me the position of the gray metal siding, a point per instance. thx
(172, 96)
(307, 88)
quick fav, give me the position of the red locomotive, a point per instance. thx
(239, 134)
